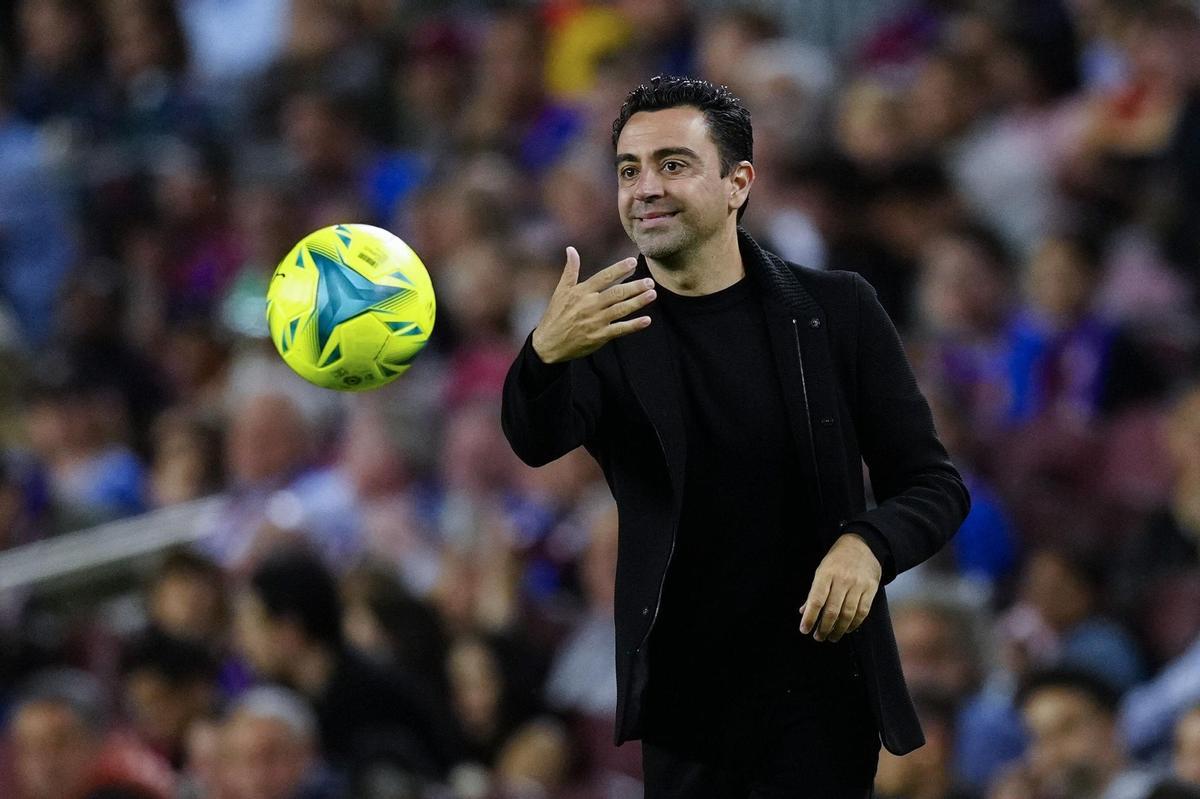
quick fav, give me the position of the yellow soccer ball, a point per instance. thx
(350, 307)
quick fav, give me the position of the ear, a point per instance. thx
(742, 178)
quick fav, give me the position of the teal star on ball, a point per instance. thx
(342, 294)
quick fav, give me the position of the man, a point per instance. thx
(1074, 749)
(754, 650)
(927, 773)
(269, 749)
(289, 628)
(63, 746)
(167, 684)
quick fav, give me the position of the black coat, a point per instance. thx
(851, 396)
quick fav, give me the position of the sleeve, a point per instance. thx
(549, 409)
(921, 497)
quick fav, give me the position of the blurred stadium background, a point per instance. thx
(184, 524)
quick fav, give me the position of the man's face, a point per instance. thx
(670, 193)
(930, 654)
(262, 759)
(187, 606)
(1072, 747)
(52, 751)
(159, 711)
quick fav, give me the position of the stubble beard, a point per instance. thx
(665, 246)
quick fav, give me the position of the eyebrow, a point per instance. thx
(659, 154)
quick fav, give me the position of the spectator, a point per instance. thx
(289, 628)
(1074, 747)
(60, 83)
(1168, 544)
(393, 628)
(1065, 593)
(534, 762)
(63, 746)
(277, 493)
(167, 684)
(37, 247)
(186, 598)
(488, 679)
(1063, 359)
(926, 773)
(269, 748)
(185, 459)
(963, 302)
(75, 428)
(942, 652)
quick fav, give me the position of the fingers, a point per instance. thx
(622, 309)
(609, 275)
(834, 614)
(849, 619)
(570, 275)
(623, 291)
(814, 604)
(864, 609)
(618, 329)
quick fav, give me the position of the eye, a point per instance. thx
(672, 166)
(627, 172)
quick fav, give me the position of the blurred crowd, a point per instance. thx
(387, 603)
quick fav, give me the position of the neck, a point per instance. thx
(715, 264)
(312, 670)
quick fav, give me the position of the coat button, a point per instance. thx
(814, 323)
(826, 421)
(645, 611)
(841, 524)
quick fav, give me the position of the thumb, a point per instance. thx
(570, 275)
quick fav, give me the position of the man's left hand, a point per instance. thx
(843, 589)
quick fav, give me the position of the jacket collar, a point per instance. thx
(782, 290)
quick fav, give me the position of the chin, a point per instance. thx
(660, 247)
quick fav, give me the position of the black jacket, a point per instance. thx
(851, 396)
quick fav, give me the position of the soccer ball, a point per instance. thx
(350, 307)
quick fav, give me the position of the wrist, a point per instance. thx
(876, 545)
(539, 348)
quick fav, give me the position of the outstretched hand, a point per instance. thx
(843, 589)
(582, 317)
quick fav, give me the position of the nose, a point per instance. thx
(649, 185)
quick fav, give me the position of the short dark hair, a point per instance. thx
(1097, 689)
(174, 660)
(294, 584)
(728, 120)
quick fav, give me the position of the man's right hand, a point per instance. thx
(582, 317)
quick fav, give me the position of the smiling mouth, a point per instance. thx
(657, 215)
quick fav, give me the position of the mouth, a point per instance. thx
(656, 216)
